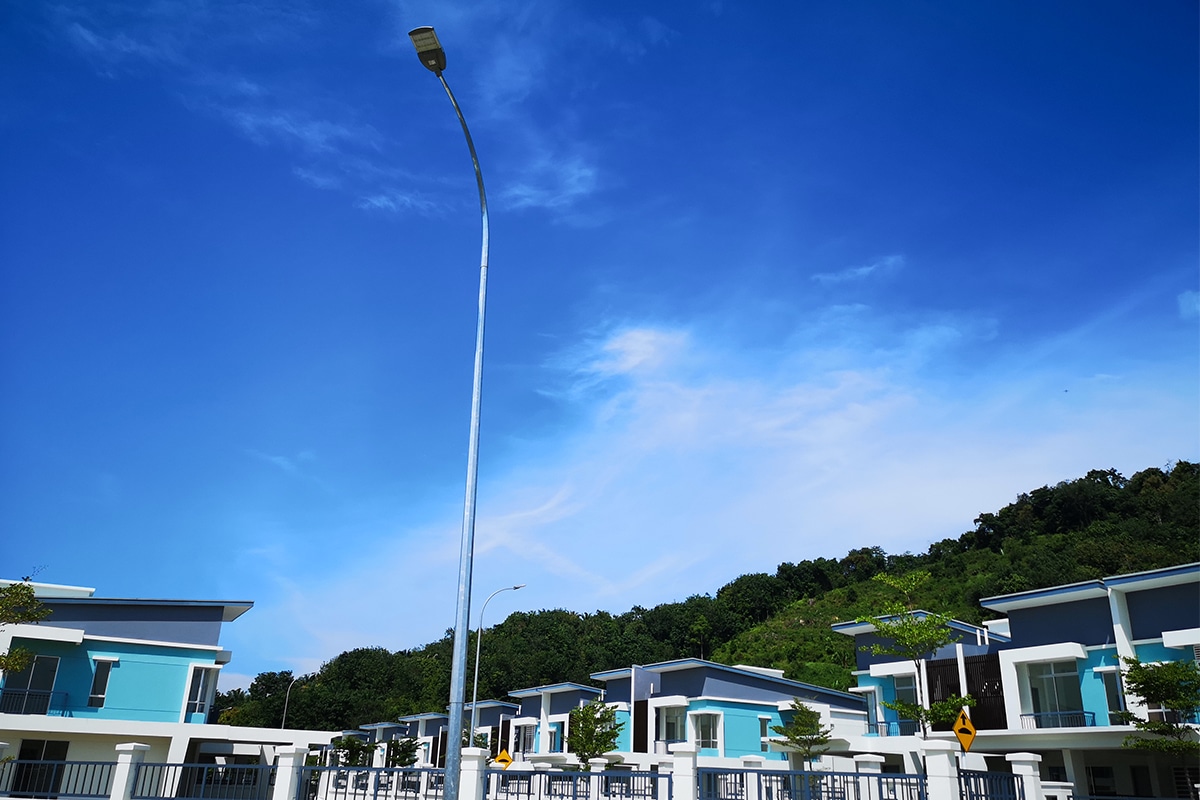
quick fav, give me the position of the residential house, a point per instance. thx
(107, 671)
(541, 724)
(1047, 679)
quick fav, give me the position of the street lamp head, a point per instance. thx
(519, 586)
(429, 49)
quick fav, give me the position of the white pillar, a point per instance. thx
(474, 773)
(1025, 766)
(869, 766)
(666, 770)
(941, 772)
(753, 765)
(685, 768)
(287, 774)
(595, 767)
(128, 757)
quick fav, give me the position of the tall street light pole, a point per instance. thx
(431, 54)
(478, 642)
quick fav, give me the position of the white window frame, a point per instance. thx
(209, 694)
(693, 736)
(764, 732)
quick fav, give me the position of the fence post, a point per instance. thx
(869, 767)
(753, 766)
(941, 771)
(473, 774)
(595, 767)
(686, 785)
(128, 757)
(287, 774)
(665, 786)
(1025, 766)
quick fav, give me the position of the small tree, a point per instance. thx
(350, 751)
(19, 606)
(914, 637)
(592, 731)
(401, 752)
(803, 732)
(1173, 687)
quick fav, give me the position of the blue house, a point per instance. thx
(1047, 679)
(725, 711)
(541, 724)
(112, 670)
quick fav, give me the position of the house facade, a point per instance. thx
(105, 671)
(1047, 679)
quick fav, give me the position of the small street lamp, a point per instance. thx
(478, 642)
(286, 697)
(431, 54)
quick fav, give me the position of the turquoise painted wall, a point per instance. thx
(742, 727)
(625, 737)
(148, 682)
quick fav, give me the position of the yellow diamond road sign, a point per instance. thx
(504, 759)
(964, 730)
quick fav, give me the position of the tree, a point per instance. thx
(19, 606)
(914, 636)
(1173, 689)
(592, 731)
(803, 732)
(401, 752)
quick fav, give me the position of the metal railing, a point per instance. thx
(612, 785)
(1059, 719)
(32, 701)
(904, 727)
(722, 784)
(211, 781)
(979, 785)
(370, 783)
(46, 779)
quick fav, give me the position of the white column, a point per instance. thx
(753, 765)
(685, 768)
(940, 770)
(1025, 766)
(128, 757)
(595, 767)
(474, 773)
(287, 774)
(869, 766)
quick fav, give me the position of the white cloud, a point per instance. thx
(696, 459)
(882, 266)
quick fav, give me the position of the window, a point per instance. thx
(100, 683)
(556, 740)
(906, 689)
(1116, 699)
(203, 681)
(706, 726)
(1101, 781)
(29, 691)
(523, 742)
(1054, 687)
(764, 732)
(670, 724)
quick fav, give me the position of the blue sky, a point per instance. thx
(768, 282)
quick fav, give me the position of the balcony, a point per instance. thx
(1059, 719)
(904, 727)
(33, 701)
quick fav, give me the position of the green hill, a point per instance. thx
(1098, 525)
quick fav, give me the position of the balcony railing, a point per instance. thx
(32, 701)
(1059, 719)
(904, 727)
(51, 779)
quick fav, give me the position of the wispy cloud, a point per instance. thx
(880, 267)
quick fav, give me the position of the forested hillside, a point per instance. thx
(1098, 525)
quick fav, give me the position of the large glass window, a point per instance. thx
(706, 727)
(524, 740)
(29, 691)
(1054, 687)
(670, 724)
(203, 681)
(906, 689)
